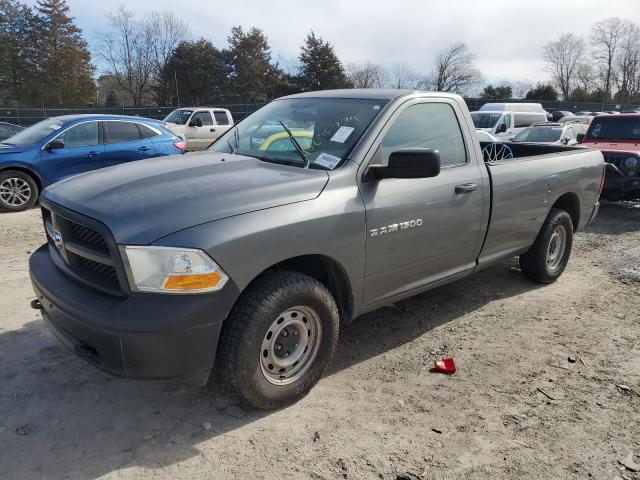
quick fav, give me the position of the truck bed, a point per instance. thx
(524, 188)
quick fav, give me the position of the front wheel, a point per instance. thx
(278, 340)
(548, 256)
(18, 191)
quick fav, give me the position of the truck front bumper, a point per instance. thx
(142, 335)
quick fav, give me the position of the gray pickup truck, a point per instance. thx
(313, 210)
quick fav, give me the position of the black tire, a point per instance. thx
(539, 263)
(11, 179)
(239, 359)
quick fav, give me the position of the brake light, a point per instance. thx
(180, 145)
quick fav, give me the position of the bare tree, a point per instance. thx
(402, 76)
(586, 77)
(366, 75)
(135, 52)
(627, 63)
(127, 52)
(455, 70)
(563, 57)
(605, 38)
(165, 31)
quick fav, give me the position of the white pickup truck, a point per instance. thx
(199, 126)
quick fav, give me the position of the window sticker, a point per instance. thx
(327, 160)
(342, 134)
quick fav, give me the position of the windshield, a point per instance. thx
(539, 134)
(325, 129)
(615, 128)
(485, 120)
(179, 117)
(34, 133)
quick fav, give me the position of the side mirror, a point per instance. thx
(501, 128)
(196, 123)
(407, 163)
(55, 144)
(580, 137)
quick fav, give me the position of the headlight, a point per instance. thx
(172, 270)
(631, 162)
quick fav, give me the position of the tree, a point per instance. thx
(197, 72)
(563, 57)
(64, 63)
(254, 78)
(402, 76)
(542, 92)
(366, 75)
(455, 70)
(320, 68)
(127, 52)
(627, 72)
(605, 38)
(497, 93)
(17, 52)
(111, 100)
(165, 32)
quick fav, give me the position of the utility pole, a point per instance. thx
(175, 77)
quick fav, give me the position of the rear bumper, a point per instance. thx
(151, 336)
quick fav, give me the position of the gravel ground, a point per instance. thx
(516, 408)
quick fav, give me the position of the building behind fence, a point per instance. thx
(29, 116)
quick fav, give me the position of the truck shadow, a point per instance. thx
(62, 418)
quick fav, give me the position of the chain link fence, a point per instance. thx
(29, 116)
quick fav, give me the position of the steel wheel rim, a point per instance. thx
(15, 192)
(556, 248)
(290, 345)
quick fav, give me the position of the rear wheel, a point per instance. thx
(548, 256)
(18, 191)
(278, 340)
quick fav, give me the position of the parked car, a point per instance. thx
(506, 119)
(253, 258)
(199, 126)
(556, 115)
(486, 136)
(552, 133)
(60, 147)
(618, 137)
(576, 119)
(8, 129)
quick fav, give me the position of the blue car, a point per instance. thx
(60, 147)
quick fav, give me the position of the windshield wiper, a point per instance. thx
(295, 144)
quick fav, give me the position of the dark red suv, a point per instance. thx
(618, 137)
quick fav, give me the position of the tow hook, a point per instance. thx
(36, 305)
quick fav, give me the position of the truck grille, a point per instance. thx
(83, 252)
(618, 159)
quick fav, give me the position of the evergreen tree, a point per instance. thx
(497, 93)
(320, 67)
(197, 73)
(111, 100)
(17, 52)
(65, 62)
(254, 78)
(542, 92)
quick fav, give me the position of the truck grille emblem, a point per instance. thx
(57, 240)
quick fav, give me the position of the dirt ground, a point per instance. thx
(517, 408)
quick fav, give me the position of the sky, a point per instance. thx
(506, 35)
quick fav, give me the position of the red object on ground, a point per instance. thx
(444, 365)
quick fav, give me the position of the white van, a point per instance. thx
(505, 124)
(198, 126)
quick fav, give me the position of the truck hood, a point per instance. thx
(175, 128)
(148, 199)
(630, 147)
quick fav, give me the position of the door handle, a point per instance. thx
(143, 149)
(212, 129)
(466, 188)
(92, 154)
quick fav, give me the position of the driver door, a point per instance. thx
(422, 230)
(82, 151)
(200, 131)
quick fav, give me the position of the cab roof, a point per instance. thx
(367, 93)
